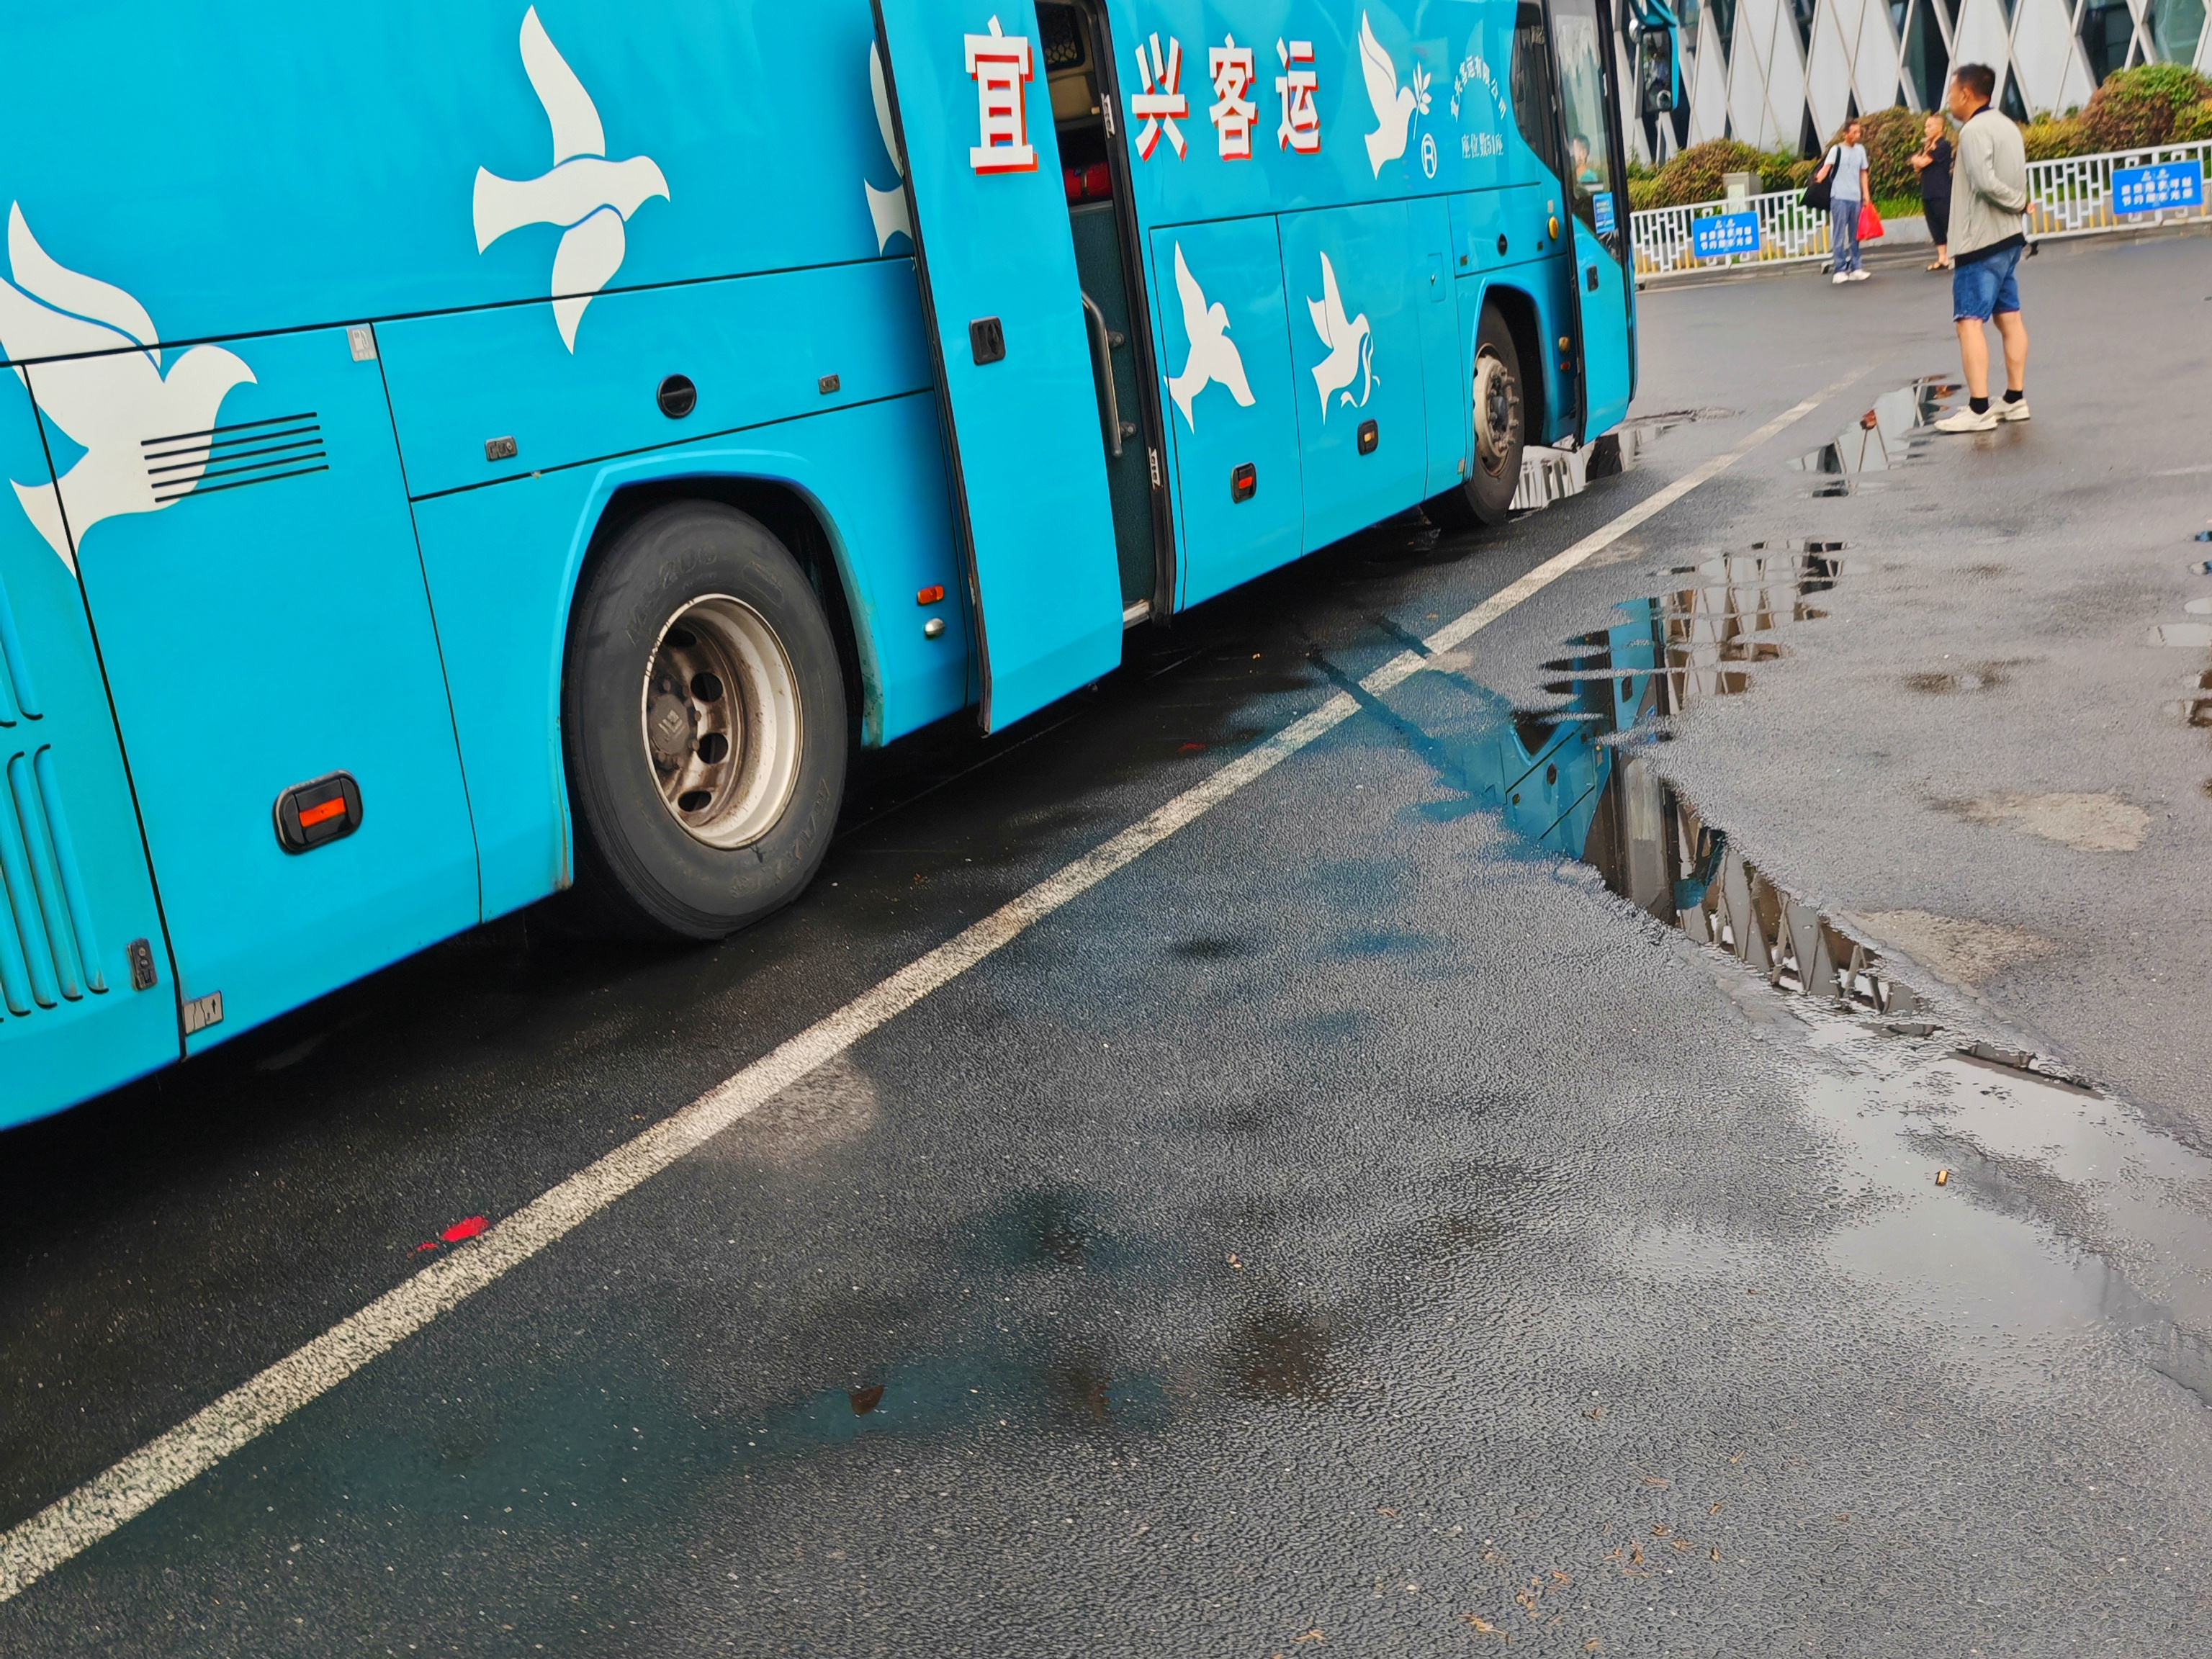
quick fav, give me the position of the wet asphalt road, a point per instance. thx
(1347, 1229)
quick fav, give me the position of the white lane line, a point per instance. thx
(74, 1523)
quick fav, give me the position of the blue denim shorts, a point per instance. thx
(1980, 287)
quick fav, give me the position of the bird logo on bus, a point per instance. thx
(590, 198)
(109, 394)
(1394, 106)
(1351, 345)
(1213, 358)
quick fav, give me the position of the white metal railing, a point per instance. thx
(1788, 229)
(2073, 196)
(2070, 197)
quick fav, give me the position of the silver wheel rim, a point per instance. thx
(1497, 411)
(720, 722)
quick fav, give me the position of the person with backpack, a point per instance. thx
(1989, 195)
(1847, 160)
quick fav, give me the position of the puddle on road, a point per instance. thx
(2060, 1213)
(1579, 780)
(1891, 435)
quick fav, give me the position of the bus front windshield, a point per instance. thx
(1578, 48)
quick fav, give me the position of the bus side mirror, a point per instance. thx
(1654, 69)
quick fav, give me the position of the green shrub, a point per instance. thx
(1694, 175)
(1644, 193)
(2049, 137)
(2136, 108)
(2192, 123)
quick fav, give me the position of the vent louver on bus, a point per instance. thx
(232, 457)
(48, 955)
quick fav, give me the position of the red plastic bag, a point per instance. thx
(1869, 222)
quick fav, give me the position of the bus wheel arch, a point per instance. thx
(703, 721)
(1506, 406)
(794, 518)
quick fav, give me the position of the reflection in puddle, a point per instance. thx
(1889, 436)
(2059, 1213)
(1559, 783)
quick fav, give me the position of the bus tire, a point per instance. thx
(703, 721)
(1500, 427)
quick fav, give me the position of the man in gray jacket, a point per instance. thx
(1989, 193)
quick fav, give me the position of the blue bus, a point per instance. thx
(462, 453)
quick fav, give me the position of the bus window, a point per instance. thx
(1578, 43)
(1533, 99)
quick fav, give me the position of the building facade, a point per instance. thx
(1787, 74)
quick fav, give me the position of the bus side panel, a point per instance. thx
(1448, 386)
(74, 892)
(503, 564)
(755, 350)
(1356, 357)
(1231, 400)
(262, 618)
(251, 165)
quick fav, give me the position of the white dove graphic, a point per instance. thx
(1213, 355)
(886, 207)
(586, 194)
(1394, 106)
(110, 404)
(1351, 345)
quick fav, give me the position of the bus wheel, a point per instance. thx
(1494, 477)
(703, 717)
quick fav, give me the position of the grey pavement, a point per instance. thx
(1349, 1228)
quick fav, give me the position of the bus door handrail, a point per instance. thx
(1102, 360)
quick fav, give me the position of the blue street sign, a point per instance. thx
(1724, 234)
(2167, 184)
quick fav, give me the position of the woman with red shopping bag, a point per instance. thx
(1847, 195)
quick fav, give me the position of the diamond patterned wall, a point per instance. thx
(1789, 73)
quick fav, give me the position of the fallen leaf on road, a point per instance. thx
(1684, 1544)
(1313, 1635)
(865, 1399)
(1716, 1509)
(1480, 1623)
(1653, 1481)
(1560, 1576)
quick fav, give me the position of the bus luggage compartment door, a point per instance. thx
(85, 998)
(1004, 306)
(261, 616)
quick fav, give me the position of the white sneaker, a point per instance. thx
(1859, 275)
(1840, 278)
(2005, 411)
(1964, 420)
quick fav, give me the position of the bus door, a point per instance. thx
(87, 997)
(1594, 176)
(967, 85)
(241, 529)
(1094, 161)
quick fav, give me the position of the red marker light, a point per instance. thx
(334, 808)
(934, 594)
